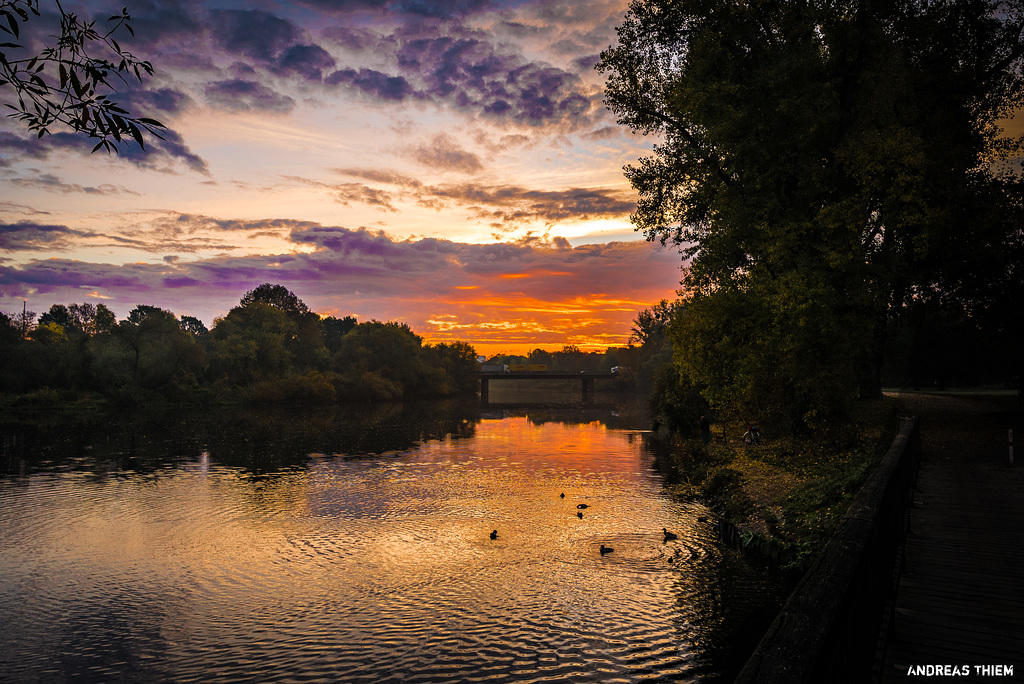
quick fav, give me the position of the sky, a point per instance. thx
(449, 164)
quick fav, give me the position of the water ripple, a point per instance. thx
(363, 569)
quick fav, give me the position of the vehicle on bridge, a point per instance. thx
(529, 368)
(494, 368)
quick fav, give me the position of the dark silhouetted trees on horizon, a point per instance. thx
(269, 348)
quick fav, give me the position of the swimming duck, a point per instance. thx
(494, 534)
(668, 535)
(582, 505)
(606, 549)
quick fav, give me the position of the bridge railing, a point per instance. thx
(829, 629)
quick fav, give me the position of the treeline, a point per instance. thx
(269, 348)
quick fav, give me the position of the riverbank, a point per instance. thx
(785, 496)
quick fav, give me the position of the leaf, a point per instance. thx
(137, 134)
(76, 85)
(13, 30)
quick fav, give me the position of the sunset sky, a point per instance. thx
(449, 164)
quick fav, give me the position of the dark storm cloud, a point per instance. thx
(239, 95)
(36, 236)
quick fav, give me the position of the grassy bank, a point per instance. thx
(786, 495)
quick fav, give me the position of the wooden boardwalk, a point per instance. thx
(961, 593)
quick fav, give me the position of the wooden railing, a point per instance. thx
(831, 626)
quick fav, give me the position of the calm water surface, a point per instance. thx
(354, 546)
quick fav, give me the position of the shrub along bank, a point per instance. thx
(785, 495)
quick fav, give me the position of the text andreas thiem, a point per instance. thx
(961, 670)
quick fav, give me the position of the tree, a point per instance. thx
(651, 324)
(277, 296)
(68, 83)
(307, 345)
(159, 350)
(457, 360)
(252, 343)
(385, 361)
(823, 164)
(193, 326)
(335, 329)
(90, 319)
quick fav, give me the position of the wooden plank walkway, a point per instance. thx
(961, 593)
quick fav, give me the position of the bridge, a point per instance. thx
(586, 382)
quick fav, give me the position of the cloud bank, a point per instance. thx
(496, 296)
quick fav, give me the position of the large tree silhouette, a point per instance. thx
(824, 165)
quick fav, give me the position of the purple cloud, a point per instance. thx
(255, 34)
(159, 154)
(239, 95)
(470, 74)
(372, 82)
(433, 9)
(35, 236)
(308, 61)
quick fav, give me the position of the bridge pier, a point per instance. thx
(588, 391)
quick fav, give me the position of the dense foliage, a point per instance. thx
(270, 348)
(835, 172)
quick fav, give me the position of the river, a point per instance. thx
(353, 545)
